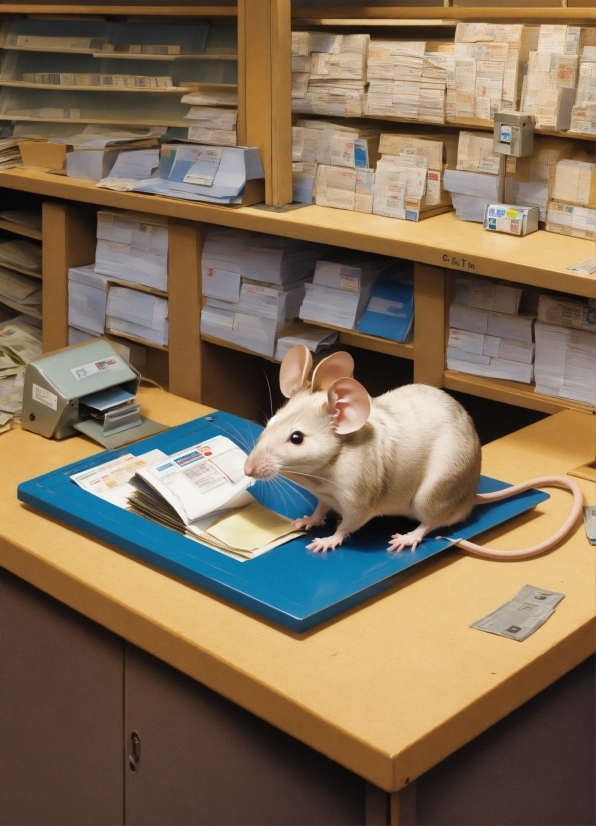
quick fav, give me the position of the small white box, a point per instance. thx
(514, 220)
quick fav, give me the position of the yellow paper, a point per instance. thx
(251, 527)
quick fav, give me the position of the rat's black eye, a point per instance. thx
(297, 437)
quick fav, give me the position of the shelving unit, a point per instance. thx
(203, 368)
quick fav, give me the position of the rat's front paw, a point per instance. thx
(308, 522)
(325, 543)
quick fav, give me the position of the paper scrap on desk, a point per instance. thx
(586, 267)
(522, 615)
(251, 527)
(590, 523)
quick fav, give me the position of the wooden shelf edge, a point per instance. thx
(137, 340)
(365, 342)
(413, 12)
(510, 393)
(229, 345)
(121, 11)
(21, 229)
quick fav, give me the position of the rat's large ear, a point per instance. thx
(336, 366)
(349, 404)
(294, 370)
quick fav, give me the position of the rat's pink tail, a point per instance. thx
(544, 481)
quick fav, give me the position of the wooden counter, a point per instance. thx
(387, 689)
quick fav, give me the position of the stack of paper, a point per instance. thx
(549, 86)
(487, 337)
(130, 166)
(328, 73)
(315, 338)
(20, 342)
(20, 292)
(304, 176)
(9, 153)
(566, 362)
(277, 260)
(212, 94)
(583, 114)
(92, 164)
(487, 67)
(530, 180)
(212, 125)
(139, 314)
(566, 311)
(470, 192)
(133, 247)
(24, 217)
(87, 299)
(336, 144)
(223, 250)
(21, 254)
(343, 188)
(573, 208)
(214, 174)
(409, 176)
(341, 288)
(404, 82)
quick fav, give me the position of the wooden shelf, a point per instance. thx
(33, 311)
(111, 122)
(20, 270)
(414, 15)
(510, 392)
(365, 342)
(229, 345)
(130, 337)
(20, 229)
(539, 259)
(21, 84)
(120, 11)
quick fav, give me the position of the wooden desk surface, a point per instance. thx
(387, 689)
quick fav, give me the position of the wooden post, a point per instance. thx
(68, 240)
(429, 324)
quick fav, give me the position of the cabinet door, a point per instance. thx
(200, 759)
(61, 713)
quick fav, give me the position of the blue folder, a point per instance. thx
(288, 585)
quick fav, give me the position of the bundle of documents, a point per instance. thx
(315, 338)
(87, 299)
(9, 153)
(233, 254)
(20, 292)
(133, 247)
(409, 177)
(487, 67)
(583, 114)
(274, 301)
(97, 79)
(213, 174)
(20, 342)
(470, 192)
(575, 183)
(200, 492)
(212, 94)
(328, 73)
(131, 165)
(96, 136)
(22, 254)
(336, 144)
(404, 82)
(92, 164)
(390, 311)
(566, 362)
(304, 176)
(475, 153)
(343, 188)
(209, 124)
(487, 337)
(580, 222)
(253, 332)
(530, 180)
(549, 86)
(341, 288)
(566, 311)
(139, 314)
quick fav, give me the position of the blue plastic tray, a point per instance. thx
(289, 585)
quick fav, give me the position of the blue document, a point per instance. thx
(390, 311)
(288, 585)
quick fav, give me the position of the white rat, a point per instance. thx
(411, 452)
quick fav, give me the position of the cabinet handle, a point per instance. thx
(134, 754)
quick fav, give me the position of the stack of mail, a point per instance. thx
(131, 165)
(405, 81)
(315, 338)
(212, 94)
(409, 176)
(573, 208)
(328, 73)
(133, 247)
(343, 188)
(331, 143)
(566, 362)
(214, 174)
(487, 67)
(21, 254)
(9, 153)
(20, 292)
(487, 336)
(96, 150)
(139, 314)
(341, 288)
(583, 114)
(87, 299)
(212, 125)
(390, 311)
(567, 311)
(475, 181)
(20, 342)
(549, 86)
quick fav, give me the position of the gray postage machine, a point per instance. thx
(67, 391)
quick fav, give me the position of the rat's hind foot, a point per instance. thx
(410, 540)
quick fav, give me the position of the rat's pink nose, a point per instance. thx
(249, 467)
